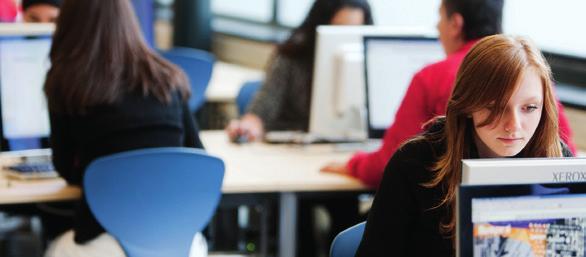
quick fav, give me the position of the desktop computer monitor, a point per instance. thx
(532, 207)
(390, 64)
(515, 220)
(338, 97)
(24, 61)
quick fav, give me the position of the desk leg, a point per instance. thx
(287, 224)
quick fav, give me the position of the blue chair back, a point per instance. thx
(198, 66)
(346, 243)
(246, 94)
(154, 201)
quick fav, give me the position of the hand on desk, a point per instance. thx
(336, 168)
(249, 128)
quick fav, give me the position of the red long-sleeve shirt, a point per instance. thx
(426, 97)
(8, 10)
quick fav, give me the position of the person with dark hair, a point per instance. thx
(283, 101)
(462, 23)
(42, 11)
(108, 92)
(503, 105)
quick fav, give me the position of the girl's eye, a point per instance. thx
(530, 108)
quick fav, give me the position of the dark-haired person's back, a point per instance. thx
(134, 122)
(108, 92)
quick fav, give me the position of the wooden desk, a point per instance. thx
(13, 191)
(19, 194)
(258, 167)
(227, 79)
(250, 169)
(284, 169)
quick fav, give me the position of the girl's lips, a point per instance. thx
(508, 140)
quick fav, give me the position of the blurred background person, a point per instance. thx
(283, 101)
(109, 92)
(40, 11)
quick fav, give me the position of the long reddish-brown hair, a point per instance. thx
(98, 54)
(489, 75)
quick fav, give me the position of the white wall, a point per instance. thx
(557, 26)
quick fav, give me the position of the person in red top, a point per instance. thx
(461, 24)
(8, 10)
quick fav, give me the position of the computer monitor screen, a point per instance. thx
(338, 97)
(390, 64)
(522, 220)
(24, 117)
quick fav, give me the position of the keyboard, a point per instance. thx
(298, 137)
(32, 170)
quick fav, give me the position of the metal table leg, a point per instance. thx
(287, 224)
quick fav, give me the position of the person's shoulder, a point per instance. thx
(441, 67)
(418, 149)
(415, 159)
(145, 104)
(435, 80)
(411, 163)
(425, 147)
(291, 62)
(429, 76)
(450, 64)
(280, 59)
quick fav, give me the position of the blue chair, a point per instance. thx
(198, 66)
(346, 243)
(153, 201)
(246, 94)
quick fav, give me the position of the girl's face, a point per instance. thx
(348, 16)
(509, 135)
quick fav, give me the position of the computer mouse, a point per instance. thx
(240, 139)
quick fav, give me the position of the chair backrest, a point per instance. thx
(346, 243)
(198, 66)
(153, 201)
(246, 94)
